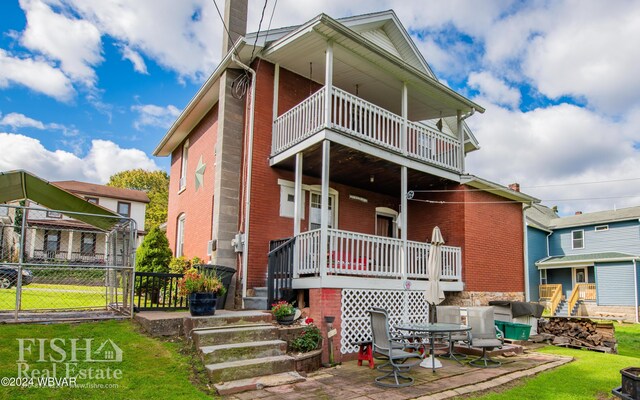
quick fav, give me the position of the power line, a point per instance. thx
(517, 201)
(527, 187)
(225, 28)
(259, 26)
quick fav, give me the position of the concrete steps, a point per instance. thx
(242, 351)
(258, 301)
(234, 334)
(242, 369)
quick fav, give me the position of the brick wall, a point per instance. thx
(197, 205)
(322, 303)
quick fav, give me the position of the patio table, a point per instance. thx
(429, 331)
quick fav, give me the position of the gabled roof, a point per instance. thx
(21, 185)
(540, 217)
(497, 189)
(91, 189)
(584, 259)
(599, 217)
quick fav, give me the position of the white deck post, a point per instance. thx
(461, 137)
(328, 83)
(297, 197)
(324, 211)
(405, 114)
(403, 232)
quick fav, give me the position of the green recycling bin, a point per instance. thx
(517, 331)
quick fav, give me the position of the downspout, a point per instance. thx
(548, 254)
(247, 196)
(527, 287)
(635, 287)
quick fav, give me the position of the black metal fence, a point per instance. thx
(280, 270)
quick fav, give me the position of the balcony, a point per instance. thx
(356, 118)
(353, 257)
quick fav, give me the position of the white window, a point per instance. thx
(316, 208)
(577, 239)
(287, 200)
(183, 170)
(543, 276)
(601, 228)
(180, 236)
(124, 208)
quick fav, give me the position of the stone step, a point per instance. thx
(242, 369)
(255, 303)
(260, 291)
(260, 382)
(242, 351)
(222, 319)
(234, 334)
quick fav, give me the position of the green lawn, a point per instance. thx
(50, 296)
(150, 368)
(591, 376)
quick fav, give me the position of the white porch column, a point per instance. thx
(405, 114)
(403, 214)
(461, 137)
(324, 211)
(298, 195)
(328, 83)
(276, 85)
(70, 245)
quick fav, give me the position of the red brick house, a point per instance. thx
(337, 138)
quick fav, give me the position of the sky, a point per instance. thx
(88, 88)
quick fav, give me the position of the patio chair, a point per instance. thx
(393, 349)
(452, 315)
(484, 334)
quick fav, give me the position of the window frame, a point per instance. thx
(128, 208)
(93, 246)
(184, 163)
(182, 218)
(543, 276)
(47, 233)
(573, 239)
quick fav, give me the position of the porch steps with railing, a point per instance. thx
(258, 301)
(563, 309)
(243, 356)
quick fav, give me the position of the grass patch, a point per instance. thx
(150, 368)
(591, 375)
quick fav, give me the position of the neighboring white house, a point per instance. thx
(55, 236)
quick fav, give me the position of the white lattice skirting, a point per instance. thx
(402, 306)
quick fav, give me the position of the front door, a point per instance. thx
(384, 226)
(580, 275)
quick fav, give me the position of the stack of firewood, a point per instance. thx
(580, 333)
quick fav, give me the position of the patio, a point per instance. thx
(348, 381)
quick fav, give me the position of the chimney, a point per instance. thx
(515, 187)
(578, 212)
(235, 18)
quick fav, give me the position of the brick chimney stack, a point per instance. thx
(515, 187)
(578, 212)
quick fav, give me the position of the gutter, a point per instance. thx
(635, 287)
(247, 196)
(527, 287)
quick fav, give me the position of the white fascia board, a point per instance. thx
(497, 189)
(161, 149)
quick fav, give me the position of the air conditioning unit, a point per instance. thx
(211, 247)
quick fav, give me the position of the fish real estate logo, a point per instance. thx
(68, 362)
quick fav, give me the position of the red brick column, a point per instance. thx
(322, 303)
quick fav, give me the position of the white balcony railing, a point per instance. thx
(356, 117)
(359, 254)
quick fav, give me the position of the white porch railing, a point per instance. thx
(359, 254)
(356, 117)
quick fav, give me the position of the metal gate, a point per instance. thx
(54, 266)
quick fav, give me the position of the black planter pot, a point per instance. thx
(202, 304)
(286, 320)
(631, 382)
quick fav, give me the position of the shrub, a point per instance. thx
(154, 254)
(308, 340)
(179, 265)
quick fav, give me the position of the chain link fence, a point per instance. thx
(54, 266)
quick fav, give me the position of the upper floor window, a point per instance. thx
(183, 170)
(180, 236)
(124, 209)
(601, 228)
(93, 200)
(577, 239)
(54, 214)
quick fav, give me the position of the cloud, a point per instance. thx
(74, 43)
(494, 89)
(104, 159)
(17, 120)
(135, 58)
(153, 115)
(36, 75)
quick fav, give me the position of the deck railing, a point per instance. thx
(359, 118)
(581, 291)
(359, 254)
(553, 294)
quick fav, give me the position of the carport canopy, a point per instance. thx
(21, 185)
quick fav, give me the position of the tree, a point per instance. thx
(153, 255)
(155, 183)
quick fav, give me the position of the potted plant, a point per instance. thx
(202, 292)
(284, 312)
